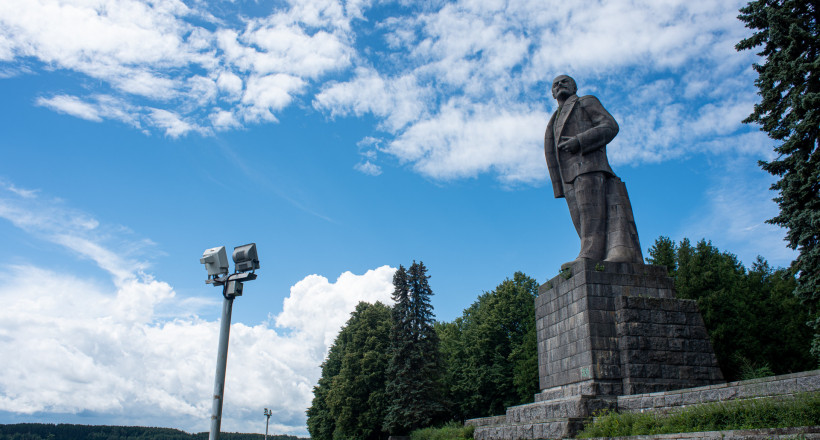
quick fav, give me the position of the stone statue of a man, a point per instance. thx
(575, 148)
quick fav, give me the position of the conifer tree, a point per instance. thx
(789, 112)
(414, 369)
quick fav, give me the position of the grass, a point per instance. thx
(803, 410)
(450, 431)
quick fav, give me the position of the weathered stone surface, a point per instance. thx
(596, 342)
(591, 327)
(806, 432)
(673, 351)
(561, 417)
(575, 151)
(776, 386)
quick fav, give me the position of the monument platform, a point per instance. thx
(605, 330)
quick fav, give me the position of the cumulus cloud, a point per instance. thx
(129, 348)
(465, 140)
(167, 63)
(448, 83)
(462, 90)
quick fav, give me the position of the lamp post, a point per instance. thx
(215, 260)
(267, 419)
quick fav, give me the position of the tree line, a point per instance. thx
(754, 319)
(63, 431)
(394, 369)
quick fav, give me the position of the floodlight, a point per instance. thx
(215, 261)
(245, 258)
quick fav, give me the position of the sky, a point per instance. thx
(344, 138)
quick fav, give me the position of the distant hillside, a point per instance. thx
(45, 431)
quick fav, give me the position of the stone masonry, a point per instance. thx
(520, 422)
(606, 326)
(663, 345)
(605, 330)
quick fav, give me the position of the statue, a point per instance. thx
(575, 148)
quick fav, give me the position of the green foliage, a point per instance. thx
(450, 431)
(42, 431)
(749, 370)
(350, 402)
(414, 370)
(663, 253)
(489, 352)
(566, 273)
(787, 33)
(751, 316)
(803, 410)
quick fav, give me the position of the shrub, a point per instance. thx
(802, 410)
(450, 431)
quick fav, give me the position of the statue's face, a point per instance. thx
(563, 87)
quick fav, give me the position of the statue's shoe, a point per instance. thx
(620, 254)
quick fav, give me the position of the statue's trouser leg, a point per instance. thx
(622, 235)
(586, 198)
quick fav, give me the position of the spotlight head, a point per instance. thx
(215, 261)
(245, 258)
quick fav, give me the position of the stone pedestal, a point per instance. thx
(617, 328)
(605, 330)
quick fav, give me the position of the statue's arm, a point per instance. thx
(603, 130)
(552, 161)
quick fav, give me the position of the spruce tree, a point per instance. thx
(414, 371)
(789, 112)
(399, 368)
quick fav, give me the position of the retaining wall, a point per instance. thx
(775, 386)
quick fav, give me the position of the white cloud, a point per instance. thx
(131, 349)
(494, 60)
(71, 105)
(668, 71)
(224, 120)
(399, 101)
(318, 308)
(172, 123)
(368, 168)
(465, 140)
(161, 53)
(267, 94)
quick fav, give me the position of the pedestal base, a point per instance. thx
(605, 330)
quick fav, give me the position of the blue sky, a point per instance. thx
(344, 138)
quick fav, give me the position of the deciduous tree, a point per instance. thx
(751, 316)
(349, 402)
(490, 351)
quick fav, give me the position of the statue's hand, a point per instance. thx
(569, 144)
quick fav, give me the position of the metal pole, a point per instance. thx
(267, 419)
(221, 365)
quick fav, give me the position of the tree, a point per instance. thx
(789, 86)
(414, 369)
(490, 351)
(662, 253)
(349, 401)
(751, 317)
(320, 422)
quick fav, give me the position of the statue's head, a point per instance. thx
(563, 86)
